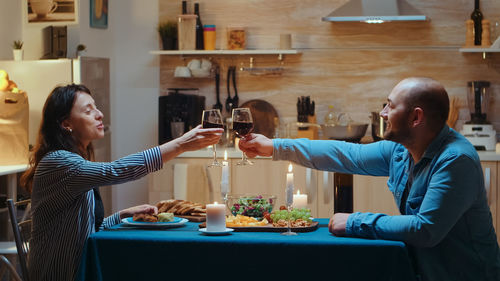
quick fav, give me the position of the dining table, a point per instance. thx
(126, 252)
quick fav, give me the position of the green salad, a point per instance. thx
(252, 206)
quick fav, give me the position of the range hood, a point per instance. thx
(375, 11)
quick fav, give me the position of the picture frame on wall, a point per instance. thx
(51, 12)
(99, 14)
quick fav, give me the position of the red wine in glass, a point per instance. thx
(242, 128)
(209, 125)
(210, 119)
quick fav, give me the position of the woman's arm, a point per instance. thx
(81, 175)
(195, 139)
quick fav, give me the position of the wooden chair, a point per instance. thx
(8, 249)
(22, 233)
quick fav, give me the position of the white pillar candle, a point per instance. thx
(299, 200)
(237, 143)
(224, 184)
(216, 217)
(289, 186)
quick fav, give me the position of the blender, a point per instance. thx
(478, 130)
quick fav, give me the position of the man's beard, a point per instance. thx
(401, 135)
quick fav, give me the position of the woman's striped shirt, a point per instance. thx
(63, 206)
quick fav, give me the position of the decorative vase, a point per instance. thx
(169, 43)
(18, 54)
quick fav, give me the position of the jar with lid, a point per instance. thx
(236, 38)
(331, 117)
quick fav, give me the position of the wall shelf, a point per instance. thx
(484, 51)
(479, 50)
(226, 52)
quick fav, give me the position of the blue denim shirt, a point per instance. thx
(447, 223)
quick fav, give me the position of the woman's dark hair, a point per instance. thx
(52, 136)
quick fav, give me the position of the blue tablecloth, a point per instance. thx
(139, 254)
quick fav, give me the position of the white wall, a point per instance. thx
(130, 35)
(10, 26)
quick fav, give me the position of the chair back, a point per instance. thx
(22, 233)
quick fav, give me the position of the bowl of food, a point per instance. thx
(251, 205)
(351, 132)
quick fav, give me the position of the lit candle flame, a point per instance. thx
(290, 168)
(215, 203)
(298, 192)
(225, 155)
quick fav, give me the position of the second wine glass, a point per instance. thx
(212, 119)
(243, 126)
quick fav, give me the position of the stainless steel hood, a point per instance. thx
(375, 11)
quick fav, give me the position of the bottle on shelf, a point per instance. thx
(331, 117)
(477, 17)
(199, 28)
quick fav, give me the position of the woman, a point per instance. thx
(63, 180)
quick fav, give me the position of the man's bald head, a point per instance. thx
(429, 95)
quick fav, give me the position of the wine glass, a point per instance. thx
(242, 126)
(289, 203)
(212, 119)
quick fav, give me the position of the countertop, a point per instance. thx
(12, 169)
(235, 153)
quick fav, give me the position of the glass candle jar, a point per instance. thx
(236, 38)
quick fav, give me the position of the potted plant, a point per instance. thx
(80, 50)
(168, 34)
(17, 50)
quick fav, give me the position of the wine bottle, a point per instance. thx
(199, 28)
(477, 17)
(184, 8)
(343, 193)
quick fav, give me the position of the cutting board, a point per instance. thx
(271, 228)
(263, 114)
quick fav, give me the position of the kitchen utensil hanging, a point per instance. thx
(218, 104)
(264, 71)
(231, 77)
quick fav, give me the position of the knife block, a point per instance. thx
(311, 132)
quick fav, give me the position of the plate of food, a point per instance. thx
(162, 220)
(277, 221)
(184, 209)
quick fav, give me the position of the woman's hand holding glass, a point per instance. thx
(199, 138)
(212, 118)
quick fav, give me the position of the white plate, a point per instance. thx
(226, 231)
(177, 222)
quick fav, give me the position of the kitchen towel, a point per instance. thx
(14, 117)
(180, 181)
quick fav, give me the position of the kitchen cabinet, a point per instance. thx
(184, 178)
(490, 171)
(202, 184)
(371, 194)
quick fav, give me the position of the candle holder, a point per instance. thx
(225, 199)
(289, 231)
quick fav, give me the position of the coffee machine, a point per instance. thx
(178, 109)
(478, 130)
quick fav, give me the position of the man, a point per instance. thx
(435, 177)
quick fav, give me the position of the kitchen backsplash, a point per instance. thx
(352, 66)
